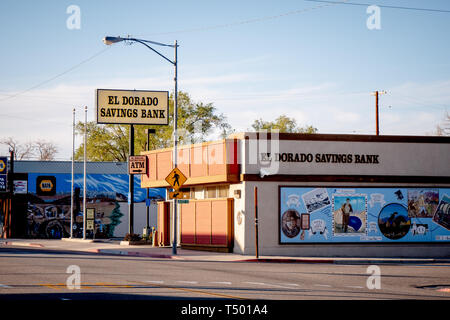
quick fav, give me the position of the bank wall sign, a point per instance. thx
(132, 107)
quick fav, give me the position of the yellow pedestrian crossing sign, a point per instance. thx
(176, 178)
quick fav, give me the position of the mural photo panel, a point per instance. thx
(349, 214)
(442, 214)
(422, 203)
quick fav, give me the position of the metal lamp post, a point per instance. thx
(111, 40)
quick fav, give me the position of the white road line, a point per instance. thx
(5, 286)
(266, 284)
(355, 287)
(322, 285)
(258, 283)
(290, 284)
(155, 281)
(221, 282)
(189, 282)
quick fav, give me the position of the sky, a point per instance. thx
(316, 62)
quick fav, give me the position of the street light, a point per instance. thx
(111, 40)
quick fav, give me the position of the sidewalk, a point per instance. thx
(112, 247)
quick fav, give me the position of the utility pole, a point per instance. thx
(377, 121)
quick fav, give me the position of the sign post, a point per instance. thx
(175, 179)
(132, 107)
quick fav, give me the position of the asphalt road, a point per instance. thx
(35, 273)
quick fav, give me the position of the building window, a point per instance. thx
(221, 191)
(211, 192)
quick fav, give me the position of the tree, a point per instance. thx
(444, 128)
(196, 121)
(46, 150)
(41, 149)
(282, 123)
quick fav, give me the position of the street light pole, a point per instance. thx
(175, 151)
(112, 40)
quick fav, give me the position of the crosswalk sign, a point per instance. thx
(176, 178)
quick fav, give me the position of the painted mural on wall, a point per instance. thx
(315, 215)
(49, 203)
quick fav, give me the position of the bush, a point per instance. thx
(132, 237)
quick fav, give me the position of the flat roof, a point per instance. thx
(93, 167)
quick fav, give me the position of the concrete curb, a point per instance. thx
(288, 260)
(348, 261)
(23, 244)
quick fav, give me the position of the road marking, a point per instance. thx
(221, 282)
(290, 284)
(355, 287)
(199, 291)
(112, 285)
(155, 281)
(188, 282)
(5, 286)
(57, 286)
(266, 284)
(322, 285)
(257, 283)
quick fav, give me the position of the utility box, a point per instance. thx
(164, 223)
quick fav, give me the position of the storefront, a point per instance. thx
(41, 201)
(318, 195)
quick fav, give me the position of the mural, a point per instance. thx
(317, 215)
(49, 203)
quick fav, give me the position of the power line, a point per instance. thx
(56, 76)
(242, 22)
(381, 6)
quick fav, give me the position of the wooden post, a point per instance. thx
(256, 222)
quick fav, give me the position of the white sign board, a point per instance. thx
(132, 107)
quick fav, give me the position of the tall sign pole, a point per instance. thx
(71, 190)
(84, 173)
(131, 186)
(175, 151)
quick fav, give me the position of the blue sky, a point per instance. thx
(314, 61)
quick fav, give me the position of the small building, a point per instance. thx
(317, 194)
(40, 206)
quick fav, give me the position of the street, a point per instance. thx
(35, 273)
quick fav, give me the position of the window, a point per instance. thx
(221, 191)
